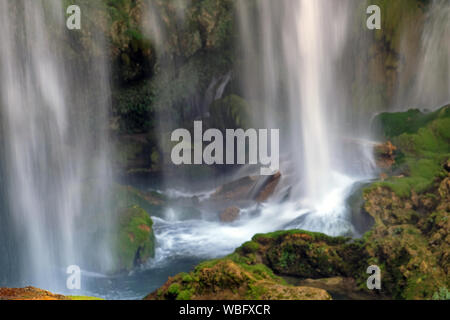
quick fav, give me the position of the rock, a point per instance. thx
(227, 279)
(231, 112)
(258, 188)
(28, 293)
(268, 187)
(124, 197)
(344, 288)
(235, 190)
(385, 155)
(447, 166)
(133, 152)
(305, 254)
(231, 214)
(31, 293)
(135, 241)
(413, 247)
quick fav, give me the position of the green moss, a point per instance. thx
(133, 107)
(255, 292)
(423, 141)
(397, 15)
(124, 197)
(395, 124)
(442, 294)
(231, 112)
(135, 240)
(185, 295)
(249, 247)
(314, 235)
(174, 290)
(186, 278)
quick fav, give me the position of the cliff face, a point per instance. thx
(410, 239)
(169, 58)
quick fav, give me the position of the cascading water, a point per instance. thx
(432, 86)
(55, 147)
(294, 52)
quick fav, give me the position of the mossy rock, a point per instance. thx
(127, 196)
(232, 278)
(409, 122)
(305, 254)
(410, 239)
(135, 241)
(231, 112)
(423, 145)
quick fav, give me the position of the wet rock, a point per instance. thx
(124, 197)
(231, 112)
(135, 240)
(230, 214)
(258, 188)
(268, 185)
(235, 190)
(133, 152)
(385, 155)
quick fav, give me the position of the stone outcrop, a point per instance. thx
(385, 155)
(233, 278)
(135, 240)
(258, 188)
(31, 293)
(230, 214)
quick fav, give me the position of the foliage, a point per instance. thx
(442, 294)
(423, 139)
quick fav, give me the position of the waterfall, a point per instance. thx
(296, 55)
(432, 86)
(53, 108)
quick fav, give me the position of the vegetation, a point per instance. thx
(135, 240)
(423, 142)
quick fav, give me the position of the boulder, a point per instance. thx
(230, 279)
(268, 186)
(385, 155)
(230, 214)
(135, 240)
(258, 188)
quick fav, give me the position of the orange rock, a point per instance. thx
(230, 214)
(385, 155)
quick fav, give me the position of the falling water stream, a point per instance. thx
(54, 144)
